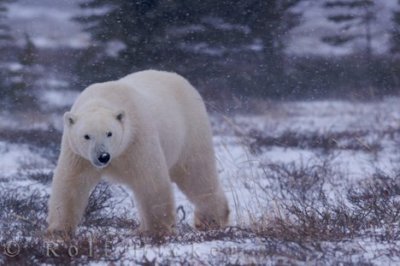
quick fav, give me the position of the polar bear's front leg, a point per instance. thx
(152, 188)
(153, 194)
(70, 191)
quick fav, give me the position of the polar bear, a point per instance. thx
(143, 130)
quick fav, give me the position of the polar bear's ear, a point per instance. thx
(69, 118)
(120, 115)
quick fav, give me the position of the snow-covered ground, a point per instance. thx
(266, 160)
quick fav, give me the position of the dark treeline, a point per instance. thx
(214, 43)
(223, 47)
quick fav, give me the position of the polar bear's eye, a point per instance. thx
(109, 134)
(87, 137)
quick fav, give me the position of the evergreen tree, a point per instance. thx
(395, 45)
(139, 25)
(4, 28)
(5, 44)
(161, 33)
(29, 53)
(355, 19)
(136, 25)
(395, 38)
(270, 21)
(154, 33)
(23, 79)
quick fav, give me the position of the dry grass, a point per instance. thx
(23, 222)
(308, 215)
(307, 220)
(325, 142)
(318, 210)
(100, 203)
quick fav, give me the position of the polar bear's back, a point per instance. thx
(165, 93)
(175, 106)
(158, 83)
(157, 90)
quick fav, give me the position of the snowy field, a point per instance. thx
(308, 182)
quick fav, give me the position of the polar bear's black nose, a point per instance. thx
(104, 158)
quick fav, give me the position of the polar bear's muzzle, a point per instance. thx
(102, 160)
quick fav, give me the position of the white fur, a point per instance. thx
(160, 133)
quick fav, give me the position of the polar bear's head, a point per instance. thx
(97, 136)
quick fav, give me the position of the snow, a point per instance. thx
(49, 23)
(19, 11)
(14, 157)
(325, 116)
(9, 162)
(241, 172)
(59, 98)
(306, 39)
